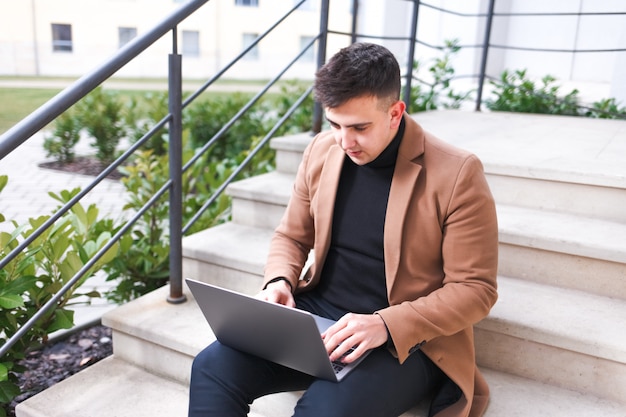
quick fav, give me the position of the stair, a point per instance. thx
(554, 344)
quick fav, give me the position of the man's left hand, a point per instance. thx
(359, 331)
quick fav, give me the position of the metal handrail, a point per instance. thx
(68, 97)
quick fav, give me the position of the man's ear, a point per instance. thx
(396, 111)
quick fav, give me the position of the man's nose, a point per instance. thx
(347, 139)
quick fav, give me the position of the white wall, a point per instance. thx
(596, 75)
(26, 36)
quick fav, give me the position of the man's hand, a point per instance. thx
(361, 331)
(278, 292)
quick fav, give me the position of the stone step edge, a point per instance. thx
(542, 229)
(594, 332)
(565, 318)
(114, 387)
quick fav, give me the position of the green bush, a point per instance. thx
(66, 134)
(301, 119)
(607, 108)
(142, 114)
(436, 92)
(38, 273)
(206, 118)
(101, 115)
(515, 92)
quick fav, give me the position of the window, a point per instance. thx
(248, 3)
(61, 38)
(309, 55)
(125, 35)
(248, 39)
(191, 42)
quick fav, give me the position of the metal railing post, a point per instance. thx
(483, 61)
(176, 173)
(355, 15)
(411, 55)
(321, 60)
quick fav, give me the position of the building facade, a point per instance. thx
(71, 37)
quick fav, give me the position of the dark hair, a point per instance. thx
(361, 69)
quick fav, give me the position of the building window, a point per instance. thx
(248, 3)
(248, 39)
(309, 55)
(191, 42)
(61, 38)
(126, 35)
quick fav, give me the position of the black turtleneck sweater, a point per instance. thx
(353, 277)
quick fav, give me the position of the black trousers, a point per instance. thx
(224, 382)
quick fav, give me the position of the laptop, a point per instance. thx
(281, 334)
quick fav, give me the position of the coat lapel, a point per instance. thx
(405, 176)
(327, 192)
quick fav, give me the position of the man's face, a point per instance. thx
(363, 126)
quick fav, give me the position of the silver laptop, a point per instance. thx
(281, 334)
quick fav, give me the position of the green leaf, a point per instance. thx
(10, 301)
(63, 319)
(4, 179)
(19, 285)
(4, 372)
(8, 391)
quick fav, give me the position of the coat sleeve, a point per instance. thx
(469, 252)
(294, 237)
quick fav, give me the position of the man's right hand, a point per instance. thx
(278, 292)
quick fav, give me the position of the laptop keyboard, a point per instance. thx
(337, 364)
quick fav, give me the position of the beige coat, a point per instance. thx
(441, 250)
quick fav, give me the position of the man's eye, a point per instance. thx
(360, 128)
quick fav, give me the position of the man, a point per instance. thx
(404, 233)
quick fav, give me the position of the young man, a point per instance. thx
(403, 228)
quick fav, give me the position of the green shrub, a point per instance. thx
(142, 114)
(33, 277)
(436, 92)
(302, 118)
(101, 115)
(606, 109)
(66, 134)
(143, 262)
(206, 118)
(515, 92)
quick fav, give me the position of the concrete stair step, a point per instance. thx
(536, 161)
(548, 247)
(260, 201)
(111, 387)
(117, 388)
(289, 151)
(230, 255)
(558, 336)
(562, 249)
(522, 187)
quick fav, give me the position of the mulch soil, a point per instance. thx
(61, 359)
(84, 165)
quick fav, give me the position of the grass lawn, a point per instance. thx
(17, 103)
